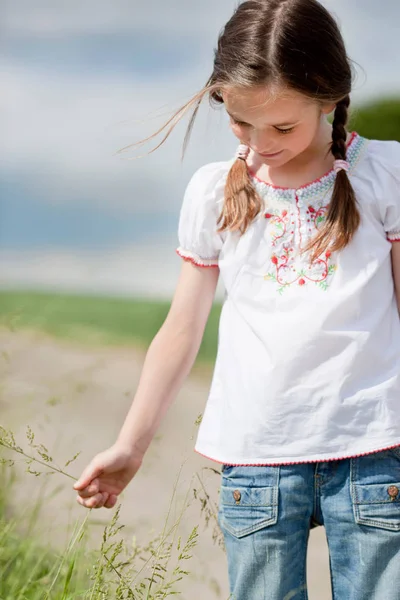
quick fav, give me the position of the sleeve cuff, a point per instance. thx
(197, 260)
(393, 236)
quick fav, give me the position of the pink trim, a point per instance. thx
(393, 237)
(394, 241)
(354, 134)
(193, 260)
(299, 462)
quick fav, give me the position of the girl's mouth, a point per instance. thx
(270, 155)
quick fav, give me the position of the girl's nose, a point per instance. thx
(259, 143)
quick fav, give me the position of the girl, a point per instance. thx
(304, 407)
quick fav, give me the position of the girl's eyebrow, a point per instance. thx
(277, 125)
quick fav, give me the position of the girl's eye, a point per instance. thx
(285, 130)
(240, 123)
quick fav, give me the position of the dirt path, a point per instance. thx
(75, 399)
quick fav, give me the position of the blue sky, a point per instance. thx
(83, 80)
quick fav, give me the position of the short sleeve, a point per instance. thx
(386, 166)
(202, 204)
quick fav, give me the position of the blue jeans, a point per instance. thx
(266, 513)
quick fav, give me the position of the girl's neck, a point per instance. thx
(311, 165)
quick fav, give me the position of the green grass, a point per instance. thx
(96, 319)
(119, 569)
(28, 569)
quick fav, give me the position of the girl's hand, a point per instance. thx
(106, 476)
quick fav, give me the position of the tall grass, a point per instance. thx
(30, 571)
(115, 571)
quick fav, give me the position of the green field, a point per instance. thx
(97, 319)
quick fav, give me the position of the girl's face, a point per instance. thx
(277, 127)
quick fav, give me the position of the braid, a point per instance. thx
(343, 218)
(242, 203)
(339, 133)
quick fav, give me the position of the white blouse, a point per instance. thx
(308, 362)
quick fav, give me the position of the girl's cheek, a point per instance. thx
(240, 133)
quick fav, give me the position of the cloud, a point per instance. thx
(45, 17)
(62, 133)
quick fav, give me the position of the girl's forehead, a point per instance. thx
(257, 102)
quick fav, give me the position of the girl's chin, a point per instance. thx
(279, 161)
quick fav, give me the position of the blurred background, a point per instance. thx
(80, 80)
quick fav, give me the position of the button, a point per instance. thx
(393, 491)
(237, 495)
(300, 203)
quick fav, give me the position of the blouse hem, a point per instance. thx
(301, 460)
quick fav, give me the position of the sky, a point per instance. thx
(81, 80)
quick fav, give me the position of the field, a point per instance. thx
(98, 320)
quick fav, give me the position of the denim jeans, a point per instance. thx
(266, 513)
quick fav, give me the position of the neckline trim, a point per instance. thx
(354, 136)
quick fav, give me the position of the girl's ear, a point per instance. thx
(328, 108)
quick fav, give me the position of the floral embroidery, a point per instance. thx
(293, 216)
(288, 265)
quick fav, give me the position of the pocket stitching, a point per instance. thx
(368, 521)
(273, 505)
(273, 493)
(372, 522)
(238, 533)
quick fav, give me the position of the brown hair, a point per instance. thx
(297, 44)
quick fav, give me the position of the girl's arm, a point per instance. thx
(396, 270)
(170, 356)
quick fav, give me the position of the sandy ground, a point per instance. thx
(75, 399)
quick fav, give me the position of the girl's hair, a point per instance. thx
(296, 44)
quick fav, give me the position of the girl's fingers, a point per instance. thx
(91, 490)
(104, 499)
(95, 501)
(88, 476)
(111, 502)
(99, 500)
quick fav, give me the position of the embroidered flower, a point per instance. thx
(288, 265)
(293, 219)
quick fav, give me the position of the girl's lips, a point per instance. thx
(270, 155)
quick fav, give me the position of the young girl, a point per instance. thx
(304, 407)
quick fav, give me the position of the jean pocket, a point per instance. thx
(375, 490)
(244, 510)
